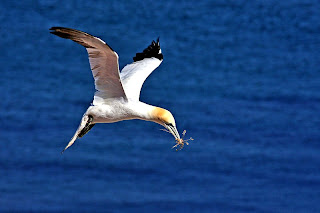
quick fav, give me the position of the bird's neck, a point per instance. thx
(146, 112)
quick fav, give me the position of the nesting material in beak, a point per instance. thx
(179, 141)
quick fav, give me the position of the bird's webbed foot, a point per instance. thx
(87, 127)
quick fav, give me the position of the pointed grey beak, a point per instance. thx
(173, 130)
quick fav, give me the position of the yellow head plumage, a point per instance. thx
(163, 116)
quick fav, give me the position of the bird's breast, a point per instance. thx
(110, 113)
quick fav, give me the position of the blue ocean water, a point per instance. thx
(242, 77)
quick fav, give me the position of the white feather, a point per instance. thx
(133, 76)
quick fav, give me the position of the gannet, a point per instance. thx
(117, 94)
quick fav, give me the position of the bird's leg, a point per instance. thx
(84, 127)
(87, 127)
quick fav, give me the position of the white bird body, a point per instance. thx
(117, 95)
(119, 110)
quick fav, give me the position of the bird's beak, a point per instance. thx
(173, 130)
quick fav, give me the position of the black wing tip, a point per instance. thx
(54, 28)
(153, 50)
(62, 32)
(69, 33)
(75, 35)
(66, 29)
(63, 29)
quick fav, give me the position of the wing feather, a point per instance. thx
(133, 75)
(103, 62)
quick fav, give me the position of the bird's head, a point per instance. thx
(166, 119)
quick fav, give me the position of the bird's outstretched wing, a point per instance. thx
(133, 75)
(103, 62)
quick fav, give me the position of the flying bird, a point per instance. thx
(117, 94)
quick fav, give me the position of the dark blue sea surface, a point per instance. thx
(242, 77)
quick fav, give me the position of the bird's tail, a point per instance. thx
(84, 127)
